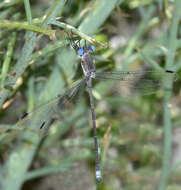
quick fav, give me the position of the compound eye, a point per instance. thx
(92, 48)
(80, 51)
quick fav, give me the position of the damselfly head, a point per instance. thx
(80, 51)
(85, 49)
(92, 48)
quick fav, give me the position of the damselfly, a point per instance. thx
(146, 81)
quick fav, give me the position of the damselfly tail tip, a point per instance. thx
(98, 176)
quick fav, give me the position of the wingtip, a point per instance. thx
(169, 71)
(173, 72)
(24, 115)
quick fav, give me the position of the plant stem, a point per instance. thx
(28, 11)
(172, 38)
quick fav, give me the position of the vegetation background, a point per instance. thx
(139, 136)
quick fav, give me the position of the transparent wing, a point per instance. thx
(137, 82)
(41, 118)
(132, 75)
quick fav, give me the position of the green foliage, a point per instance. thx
(37, 63)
